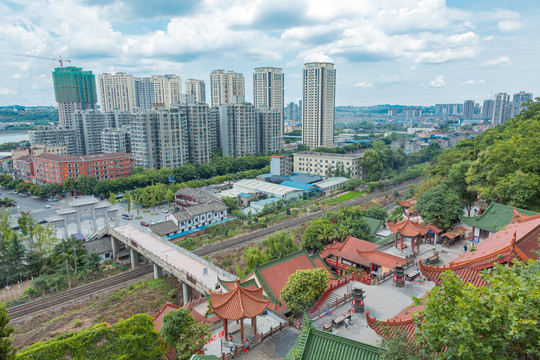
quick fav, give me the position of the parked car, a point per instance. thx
(16, 228)
(127, 216)
(165, 211)
(47, 206)
(44, 221)
(145, 223)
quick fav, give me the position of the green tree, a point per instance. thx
(7, 351)
(439, 205)
(457, 177)
(497, 321)
(377, 212)
(182, 331)
(169, 196)
(311, 239)
(83, 185)
(112, 198)
(16, 258)
(372, 164)
(26, 223)
(69, 185)
(128, 200)
(280, 244)
(304, 288)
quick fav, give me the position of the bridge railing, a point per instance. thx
(195, 257)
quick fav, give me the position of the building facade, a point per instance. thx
(268, 85)
(502, 108)
(197, 117)
(487, 109)
(318, 113)
(323, 163)
(87, 126)
(238, 129)
(197, 88)
(74, 89)
(468, 109)
(269, 130)
(50, 136)
(115, 140)
(224, 86)
(145, 95)
(519, 100)
(117, 92)
(281, 165)
(159, 138)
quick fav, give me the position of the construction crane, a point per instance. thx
(62, 61)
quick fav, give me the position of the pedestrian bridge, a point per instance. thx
(192, 270)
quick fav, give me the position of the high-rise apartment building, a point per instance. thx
(197, 88)
(117, 92)
(237, 129)
(116, 140)
(487, 109)
(74, 89)
(50, 136)
(224, 86)
(502, 109)
(116, 119)
(468, 109)
(213, 128)
(87, 126)
(293, 112)
(197, 115)
(319, 94)
(144, 93)
(269, 130)
(167, 89)
(268, 84)
(519, 100)
(159, 138)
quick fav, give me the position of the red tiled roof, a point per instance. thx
(407, 203)
(238, 303)
(68, 158)
(401, 324)
(158, 318)
(409, 228)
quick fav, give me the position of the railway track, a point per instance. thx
(83, 290)
(210, 249)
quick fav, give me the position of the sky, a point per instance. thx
(385, 51)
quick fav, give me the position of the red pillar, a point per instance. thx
(395, 243)
(225, 328)
(412, 244)
(401, 243)
(242, 329)
(254, 325)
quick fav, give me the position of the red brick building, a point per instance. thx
(52, 168)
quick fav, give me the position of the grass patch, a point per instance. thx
(342, 198)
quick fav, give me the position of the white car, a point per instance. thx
(165, 211)
(47, 206)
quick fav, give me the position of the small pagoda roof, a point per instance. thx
(409, 228)
(408, 203)
(322, 345)
(238, 303)
(495, 217)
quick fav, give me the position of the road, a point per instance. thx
(256, 235)
(31, 204)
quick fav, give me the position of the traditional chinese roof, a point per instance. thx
(407, 203)
(455, 232)
(361, 252)
(495, 217)
(238, 303)
(402, 324)
(273, 275)
(203, 357)
(409, 228)
(518, 240)
(374, 224)
(321, 345)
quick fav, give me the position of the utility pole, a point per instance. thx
(69, 280)
(75, 255)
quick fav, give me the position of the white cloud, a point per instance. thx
(472, 82)
(364, 84)
(510, 25)
(6, 91)
(437, 82)
(500, 61)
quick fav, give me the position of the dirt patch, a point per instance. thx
(143, 297)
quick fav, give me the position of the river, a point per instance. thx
(5, 138)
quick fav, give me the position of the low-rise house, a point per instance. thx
(199, 215)
(331, 184)
(188, 196)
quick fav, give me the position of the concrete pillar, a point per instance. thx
(134, 256)
(94, 224)
(158, 272)
(185, 293)
(114, 245)
(66, 234)
(116, 218)
(79, 227)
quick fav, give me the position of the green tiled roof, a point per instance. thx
(313, 344)
(384, 240)
(495, 217)
(374, 224)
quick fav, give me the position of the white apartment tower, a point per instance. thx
(159, 138)
(502, 109)
(116, 92)
(197, 88)
(116, 140)
(268, 84)
(269, 130)
(167, 89)
(87, 126)
(144, 93)
(199, 131)
(319, 97)
(237, 129)
(224, 86)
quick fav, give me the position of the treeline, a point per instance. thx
(37, 117)
(500, 165)
(219, 169)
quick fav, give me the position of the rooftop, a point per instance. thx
(238, 303)
(66, 158)
(323, 184)
(343, 156)
(495, 217)
(264, 187)
(164, 228)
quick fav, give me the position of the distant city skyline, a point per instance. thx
(403, 52)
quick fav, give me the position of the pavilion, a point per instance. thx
(408, 208)
(415, 231)
(237, 304)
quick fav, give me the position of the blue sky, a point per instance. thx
(385, 51)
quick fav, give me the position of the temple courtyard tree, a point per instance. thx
(439, 205)
(304, 288)
(182, 331)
